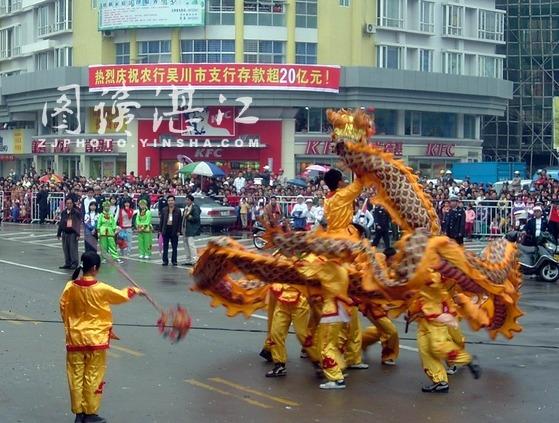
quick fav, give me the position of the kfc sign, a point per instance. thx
(328, 148)
(440, 150)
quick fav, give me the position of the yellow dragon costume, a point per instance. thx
(484, 289)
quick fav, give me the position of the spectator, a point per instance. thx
(363, 217)
(534, 227)
(470, 219)
(272, 212)
(42, 201)
(318, 212)
(191, 227)
(239, 182)
(90, 223)
(124, 221)
(69, 231)
(299, 214)
(170, 226)
(244, 209)
(309, 214)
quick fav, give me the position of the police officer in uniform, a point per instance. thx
(454, 224)
(382, 227)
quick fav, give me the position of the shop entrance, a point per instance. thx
(101, 168)
(70, 166)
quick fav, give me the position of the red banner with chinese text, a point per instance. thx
(216, 76)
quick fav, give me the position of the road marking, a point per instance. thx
(258, 316)
(225, 393)
(255, 392)
(405, 347)
(7, 318)
(113, 354)
(20, 316)
(127, 350)
(32, 267)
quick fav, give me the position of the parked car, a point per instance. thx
(212, 214)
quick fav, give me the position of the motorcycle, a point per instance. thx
(541, 260)
(258, 236)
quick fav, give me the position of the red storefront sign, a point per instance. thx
(7, 158)
(326, 148)
(216, 76)
(43, 146)
(67, 145)
(440, 150)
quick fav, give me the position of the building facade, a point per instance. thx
(427, 67)
(525, 132)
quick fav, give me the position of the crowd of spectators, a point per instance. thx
(509, 204)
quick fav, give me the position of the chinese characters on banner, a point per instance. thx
(327, 148)
(216, 76)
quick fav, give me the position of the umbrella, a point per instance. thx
(202, 169)
(50, 178)
(297, 183)
(317, 168)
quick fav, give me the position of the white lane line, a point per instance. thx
(258, 316)
(405, 347)
(32, 267)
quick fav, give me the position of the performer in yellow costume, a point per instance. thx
(337, 307)
(291, 306)
(435, 312)
(382, 329)
(86, 313)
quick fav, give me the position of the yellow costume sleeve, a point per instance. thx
(116, 296)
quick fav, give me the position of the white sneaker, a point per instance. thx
(359, 366)
(451, 370)
(389, 363)
(338, 384)
(119, 261)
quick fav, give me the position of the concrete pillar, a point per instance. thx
(131, 148)
(460, 124)
(290, 23)
(239, 31)
(401, 123)
(288, 148)
(133, 47)
(175, 46)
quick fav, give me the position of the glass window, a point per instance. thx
(63, 57)
(221, 12)
(10, 41)
(154, 51)
(43, 27)
(427, 16)
(263, 51)
(270, 13)
(426, 60)
(490, 67)
(305, 53)
(413, 123)
(43, 61)
(345, 3)
(391, 13)
(305, 13)
(389, 57)
(311, 119)
(440, 125)
(386, 122)
(207, 51)
(63, 15)
(453, 18)
(490, 25)
(453, 63)
(469, 127)
(122, 53)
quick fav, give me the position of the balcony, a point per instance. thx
(54, 29)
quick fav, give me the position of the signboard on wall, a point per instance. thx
(215, 76)
(327, 148)
(214, 121)
(125, 14)
(440, 150)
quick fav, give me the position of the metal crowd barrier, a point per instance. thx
(53, 210)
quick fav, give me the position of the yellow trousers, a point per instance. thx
(437, 346)
(333, 362)
(385, 331)
(85, 370)
(351, 339)
(284, 314)
(271, 307)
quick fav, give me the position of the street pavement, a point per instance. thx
(215, 374)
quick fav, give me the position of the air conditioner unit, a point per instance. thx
(370, 28)
(108, 34)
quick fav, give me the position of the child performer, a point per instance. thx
(106, 230)
(145, 230)
(86, 313)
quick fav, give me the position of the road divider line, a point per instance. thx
(254, 391)
(405, 347)
(199, 384)
(33, 268)
(258, 316)
(127, 350)
(8, 318)
(113, 354)
(20, 316)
